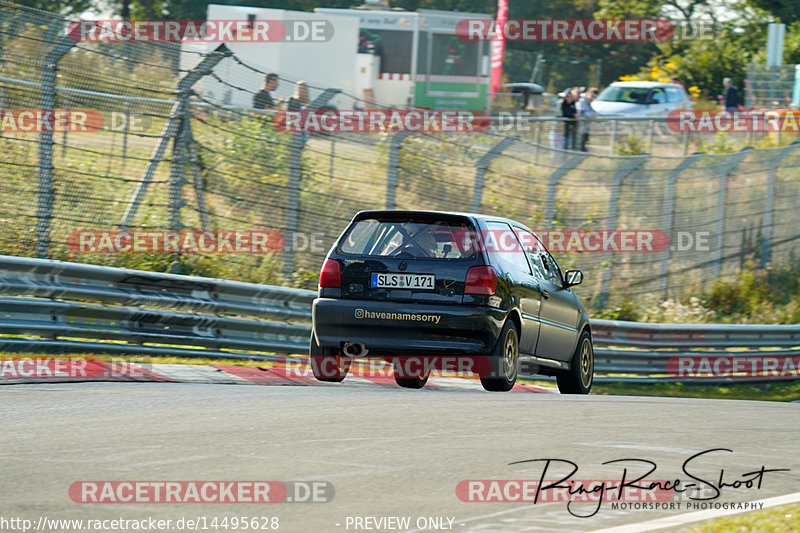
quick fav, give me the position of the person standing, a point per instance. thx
(263, 99)
(569, 113)
(730, 97)
(299, 101)
(587, 112)
(300, 98)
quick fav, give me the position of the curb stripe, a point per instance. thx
(298, 373)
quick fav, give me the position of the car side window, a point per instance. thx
(659, 96)
(533, 250)
(553, 272)
(674, 95)
(506, 247)
(549, 268)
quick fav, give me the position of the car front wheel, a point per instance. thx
(580, 376)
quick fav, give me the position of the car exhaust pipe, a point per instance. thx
(354, 349)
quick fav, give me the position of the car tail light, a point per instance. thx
(481, 280)
(331, 274)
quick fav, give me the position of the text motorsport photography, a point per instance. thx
(634, 489)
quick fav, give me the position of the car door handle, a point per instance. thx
(545, 294)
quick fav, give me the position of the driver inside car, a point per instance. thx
(421, 245)
(428, 244)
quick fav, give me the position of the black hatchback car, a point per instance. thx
(400, 284)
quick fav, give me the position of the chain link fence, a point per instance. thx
(770, 86)
(168, 156)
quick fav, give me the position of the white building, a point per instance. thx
(390, 57)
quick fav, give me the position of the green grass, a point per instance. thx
(781, 391)
(784, 519)
(776, 391)
(753, 296)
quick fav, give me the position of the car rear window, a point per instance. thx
(410, 239)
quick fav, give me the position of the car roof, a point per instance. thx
(644, 84)
(475, 216)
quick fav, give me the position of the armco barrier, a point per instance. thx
(72, 307)
(643, 349)
(60, 307)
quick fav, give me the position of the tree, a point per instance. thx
(197, 9)
(62, 7)
(737, 39)
(787, 11)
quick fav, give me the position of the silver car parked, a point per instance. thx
(641, 98)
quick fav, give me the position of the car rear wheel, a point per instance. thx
(579, 378)
(402, 378)
(504, 362)
(327, 364)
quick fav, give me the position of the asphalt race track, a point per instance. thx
(386, 451)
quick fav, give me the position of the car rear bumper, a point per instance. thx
(407, 328)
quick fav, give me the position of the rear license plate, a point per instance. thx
(389, 280)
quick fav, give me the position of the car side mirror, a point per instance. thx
(573, 277)
(651, 101)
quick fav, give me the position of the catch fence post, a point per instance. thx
(392, 167)
(613, 135)
(769, 202)
(668, 218)
(552, 183)
(44, 199)
(2, 101)
(722, 187)
(292, 212)
(172, 130)
(125, 133)
(481, 166)
(177, 172)
(624, 170)
(195, 171)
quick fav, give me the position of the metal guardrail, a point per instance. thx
(60, 307)
(644, 349)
